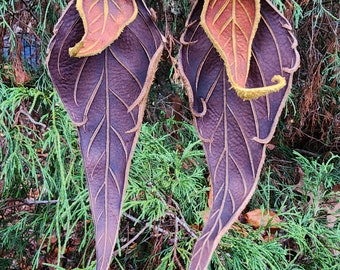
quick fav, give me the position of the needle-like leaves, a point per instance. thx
(234, 131)
(105, 96)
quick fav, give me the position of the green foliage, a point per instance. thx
(308, 237)
(166, 198)
(171, 15)
(252, 252)
(160, 172)
(311, 221)
(312, 121)
(44, 207)
(167, 190)
(44, 196)
(42, 180)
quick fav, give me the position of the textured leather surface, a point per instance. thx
(105, 96)
(234, 132)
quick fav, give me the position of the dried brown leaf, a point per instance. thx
(257, 218)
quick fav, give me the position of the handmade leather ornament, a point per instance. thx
(105, 96)
(234, 131)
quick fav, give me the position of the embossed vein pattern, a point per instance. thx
(234, 132)
(105, 96)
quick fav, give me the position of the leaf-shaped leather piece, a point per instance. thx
(103, 21)
(231, 26)
(105, 96)
(234, 132)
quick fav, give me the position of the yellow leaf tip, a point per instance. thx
(73, 51)
(254, 93)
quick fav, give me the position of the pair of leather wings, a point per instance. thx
(105, 96)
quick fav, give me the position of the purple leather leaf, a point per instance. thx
(234, 132)
(105, 96)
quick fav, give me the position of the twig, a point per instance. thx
(115, 253)
(31, 119)
(132, 218)
(177, 262)
(183, 224)
(311, 137)
(31, 202)
(29, 8)
(25, 202)
(139, 222)
(178, 209)
(177, 219)
(306, 152)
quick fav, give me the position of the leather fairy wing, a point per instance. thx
(105, 96)
(234, 131)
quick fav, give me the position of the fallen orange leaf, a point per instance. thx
(257, 218)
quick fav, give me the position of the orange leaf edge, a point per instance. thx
(74, 51)
(243, 92)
